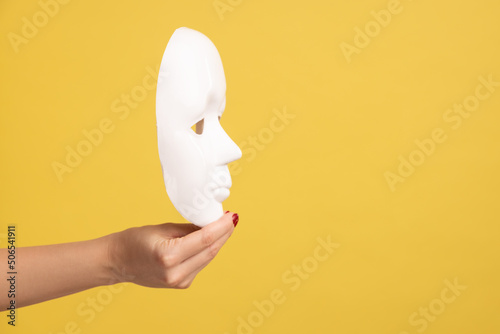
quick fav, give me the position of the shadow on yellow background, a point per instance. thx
(368, 188)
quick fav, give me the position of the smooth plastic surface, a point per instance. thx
(191, 92)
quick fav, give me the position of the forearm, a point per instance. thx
(53, 271)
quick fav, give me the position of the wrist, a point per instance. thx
(109, 262)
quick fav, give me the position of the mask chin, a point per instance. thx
(195, 197)
(202, 217)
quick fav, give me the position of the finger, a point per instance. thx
(199, 260)
(193, 265)
(197, 241)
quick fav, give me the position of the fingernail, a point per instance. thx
(236, 219)
(226, 212)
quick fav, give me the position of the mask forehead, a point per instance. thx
(191, 81)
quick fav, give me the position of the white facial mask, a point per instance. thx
(192, 90)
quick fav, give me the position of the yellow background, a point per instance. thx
(323, 175)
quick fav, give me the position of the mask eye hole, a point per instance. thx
(198, 127)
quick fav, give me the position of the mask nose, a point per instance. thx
(225, 148)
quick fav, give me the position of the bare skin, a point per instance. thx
(161, 256)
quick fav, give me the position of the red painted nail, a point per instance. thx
(236, 219)
(226, 212)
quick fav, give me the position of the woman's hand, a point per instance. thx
(167, 255)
